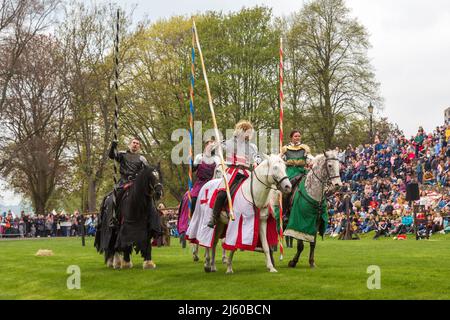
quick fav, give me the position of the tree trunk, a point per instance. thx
(39, 205)
(92, 194)
(328, 139)
(83, 201)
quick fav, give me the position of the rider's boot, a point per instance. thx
(221, 199)
(115, 215)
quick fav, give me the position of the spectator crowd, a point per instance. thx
(50, 225)
(375, 177)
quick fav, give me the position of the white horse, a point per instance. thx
(254, 193)
(324, 174)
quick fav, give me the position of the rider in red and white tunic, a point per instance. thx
(243, 232)
(241, 156)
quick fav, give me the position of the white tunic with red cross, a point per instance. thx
(242, 233)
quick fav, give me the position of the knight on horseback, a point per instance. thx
(131, 164)
(205, 166)
(297, 157)
(241, 157)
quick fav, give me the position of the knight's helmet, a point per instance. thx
(243, 130)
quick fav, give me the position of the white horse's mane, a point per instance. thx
(313, 186)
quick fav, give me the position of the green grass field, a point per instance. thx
(409, 270)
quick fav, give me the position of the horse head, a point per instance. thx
(328, 167)
(276, 173)
(156, 182)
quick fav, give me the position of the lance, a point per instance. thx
(191, 124)
(116, 113)
(216, 130)
(280, 200)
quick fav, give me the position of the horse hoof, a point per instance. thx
(109, 263)
(292, 264)
(273, 270)
(229, 272)
(213, 269)
(207, 269)
(148, 265)
(196, 259)
(312, 266)
(117, 262)
(224, 260)
(127, 265)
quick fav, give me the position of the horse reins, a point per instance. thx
(329, 177)
(278, 182)
(323, 183)
(253, 173)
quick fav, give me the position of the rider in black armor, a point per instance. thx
(131, 164)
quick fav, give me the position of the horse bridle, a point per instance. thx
(324, 183)
(329, 177)
(278, 182)
(253, 173)
(154, 189)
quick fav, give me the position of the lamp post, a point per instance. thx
(370, 108)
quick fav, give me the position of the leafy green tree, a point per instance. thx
(331, 68)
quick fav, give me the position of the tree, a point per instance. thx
(20, 22)
(155, 99)
(241, 56)
(88, 37)
(331, 68)
(37, 123)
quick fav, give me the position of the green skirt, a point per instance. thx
(307, 216)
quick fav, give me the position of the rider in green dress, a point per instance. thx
(296, 156)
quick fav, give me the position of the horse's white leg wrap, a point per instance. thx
(126, 265)
(148, 264)
(109, 262)
(117, 261)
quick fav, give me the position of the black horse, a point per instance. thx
(139, 221)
